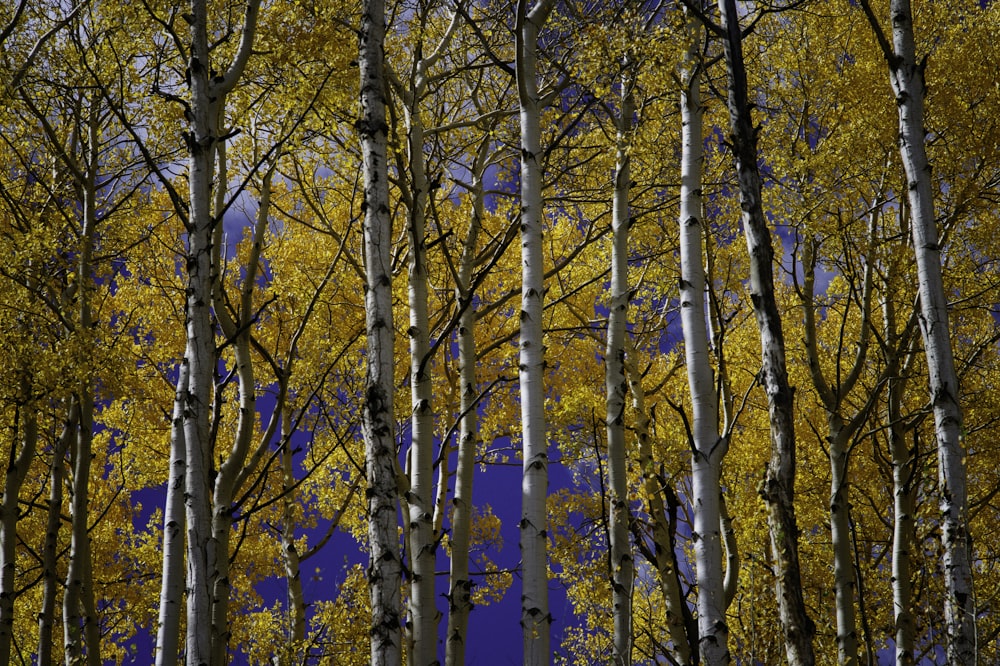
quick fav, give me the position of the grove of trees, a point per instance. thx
(290, 286)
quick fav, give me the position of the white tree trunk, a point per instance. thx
(904, 485)
(907, 78)
(536, 620)
(79, 606)
(50, 555)
(616, 387)
(679, 628)
(289, 553)
(708, 447)
(378, 424)
(460, 590)
(838, 439)
(172, 585)
(778, 489)
(207, 90)
(17, 470)
(420, 499)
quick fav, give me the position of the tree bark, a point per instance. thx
(420, 498)
(459, 594)
(907, 79)
(172, 584)
(683, 636)
(708, 448)
(616, 386)
(17, 470)
(378, 424)
(536, 620)
(79, 607)
(50, 552)
(778, 488)
(207, 90)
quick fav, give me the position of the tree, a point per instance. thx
(707, 448)
(535, 616)
(906, 77)
(778, 488)
(207, 634)
(384, 568)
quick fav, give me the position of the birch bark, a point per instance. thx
(207, 90)
(460, 591)
(378, 425)
(840, 431)
(906, 77)
(778, 488)
(51, 583)
(536, 620)
(680, 626)
(420, 499)
(79, 607)
(904, 481)
(616, 386)
(708, 447)
(172, 585)
(17, 470)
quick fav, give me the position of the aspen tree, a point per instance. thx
(378, 425)
(79, 595)
(51, 583)
(778, 488)
(616, 386)
(906, 76)
(900, 350)
(460, 591)
(420, 498)
(207, 90)
(17, 470)
(708, 447)
(536, 620)
(172, 571)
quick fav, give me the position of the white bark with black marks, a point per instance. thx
(536, 620)
(377, 420)
(708, 447)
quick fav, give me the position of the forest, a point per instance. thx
(333, 328)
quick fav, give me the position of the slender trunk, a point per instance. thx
(730, 584)
(844, 582)
(199, 355)
(838, 440)
(80, 629)
(461, 519)
(420, 499)
(536, 620)
(904, 481)
(79, 606)
(378, 425)
(682, 638)
(204, 555)
(421, 533)
(172, 585)
(778, 489)
(907, 78)
(50, 549)
(616, 386)
(237, 333)
(290, 556)
(708, 447)
(17, 470)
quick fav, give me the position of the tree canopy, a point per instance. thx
(291, 286)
